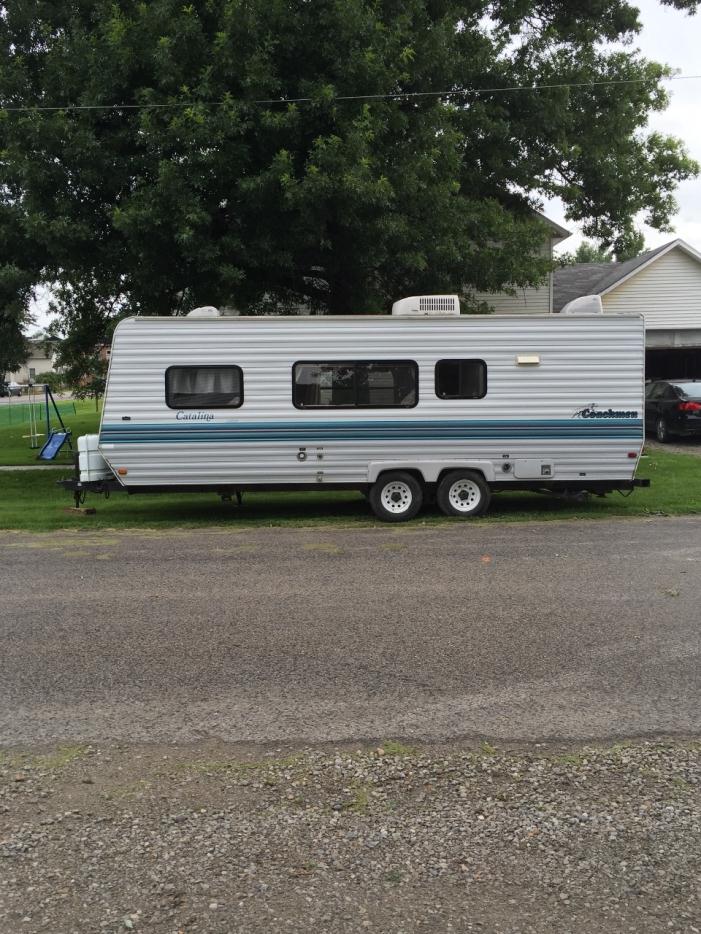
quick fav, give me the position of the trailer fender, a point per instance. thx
(431, 470)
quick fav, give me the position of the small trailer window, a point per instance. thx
(461, 379)
(386, 384)
(204, 387)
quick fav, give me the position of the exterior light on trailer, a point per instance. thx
(632, 455)
(528, 359)
(122, 471)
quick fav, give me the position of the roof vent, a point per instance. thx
(205, 311)
(425, 305)
(584, 305)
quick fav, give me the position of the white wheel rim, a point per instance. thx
(396, 497)
(464, 495)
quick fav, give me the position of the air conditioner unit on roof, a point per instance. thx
(426, 305)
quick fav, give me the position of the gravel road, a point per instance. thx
(215, 840)
(183, 713)
(531, 631)
(676, 446)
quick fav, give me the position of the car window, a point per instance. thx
(669, 394)
(687, 390)
(655, 390)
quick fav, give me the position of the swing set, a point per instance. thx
(56, 437)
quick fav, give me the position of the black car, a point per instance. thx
(673, 407)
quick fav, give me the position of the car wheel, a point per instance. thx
(661, 431)
(463, 493)
(396, 497)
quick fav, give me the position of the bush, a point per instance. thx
(55, 381)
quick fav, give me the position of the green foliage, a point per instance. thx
(87, 376)
(14, 348)
(632, 248)
(84, 329)
(587, 252)
(55, 381)
(21, 259)
(212, 197)
(15, 293)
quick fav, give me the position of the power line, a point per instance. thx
(396, 95)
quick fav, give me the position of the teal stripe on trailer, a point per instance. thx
(398, 430)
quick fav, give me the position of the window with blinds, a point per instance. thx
(369, 384)
(204, 387)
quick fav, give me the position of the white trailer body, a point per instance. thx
(549, 402)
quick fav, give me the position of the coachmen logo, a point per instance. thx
(593, 411)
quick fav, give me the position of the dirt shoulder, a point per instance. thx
(219, 838)
(676, 446)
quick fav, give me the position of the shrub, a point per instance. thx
(55, 381)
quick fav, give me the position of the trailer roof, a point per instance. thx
(385, 318)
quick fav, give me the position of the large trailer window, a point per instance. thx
(204, 387)
(376, 384)
(461, 379)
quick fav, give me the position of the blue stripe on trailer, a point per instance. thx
(398, 430)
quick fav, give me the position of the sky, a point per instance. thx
(673, 38)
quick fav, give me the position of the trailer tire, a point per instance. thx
(463, 493)
(396, 496)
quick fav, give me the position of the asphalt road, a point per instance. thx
(526, 631)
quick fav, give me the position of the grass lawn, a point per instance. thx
(31, 500)
(14, 446)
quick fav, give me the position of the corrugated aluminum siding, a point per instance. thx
(528, 412)
(667, 293)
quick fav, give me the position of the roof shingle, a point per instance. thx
(571, 282)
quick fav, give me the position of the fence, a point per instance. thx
(20, 413)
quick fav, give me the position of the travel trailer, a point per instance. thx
(418, 405)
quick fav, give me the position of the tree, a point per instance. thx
(185, 181)
(17, 276)
(15, 293)
(14, 349)
(589, 252)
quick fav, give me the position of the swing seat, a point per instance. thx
(53, 445)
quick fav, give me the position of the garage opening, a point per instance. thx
(673, 364)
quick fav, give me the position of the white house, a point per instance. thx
(41, 360)
(664, 285)
(529, 301)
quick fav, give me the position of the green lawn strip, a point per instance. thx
(31, 500)
(14, 443)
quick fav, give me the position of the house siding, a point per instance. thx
(667, 293)
(526, 301)
(38, 361)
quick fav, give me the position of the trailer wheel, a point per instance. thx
(463, 493)
(396, 496)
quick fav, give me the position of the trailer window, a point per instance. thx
(389, 384)
(461, 379)
(204, 387)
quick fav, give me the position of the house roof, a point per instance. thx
(571, 282)
(559, 233)
(41, 337)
